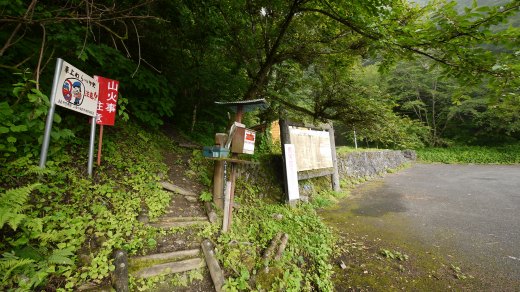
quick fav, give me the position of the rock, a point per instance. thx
(143, 218)
(277, 216)
(191, 199)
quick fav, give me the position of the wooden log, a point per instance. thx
(183, 219)
(274, 242)
(170, 268)
(212, 215)
(120, 273)
(282, 246)
(176, 189)
(214, 268)
(168, 225)
(168, 255)
(218, 184)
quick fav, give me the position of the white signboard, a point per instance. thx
(313, 150)
(79, 91)
(249, 142)
(291, 172)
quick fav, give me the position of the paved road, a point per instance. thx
(472, 210)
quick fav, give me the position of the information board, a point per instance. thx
(313, 148)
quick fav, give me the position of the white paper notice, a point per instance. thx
(292, 174)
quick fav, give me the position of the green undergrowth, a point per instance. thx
(348, 149)
(509, 154)
(303, 266)
(60, 227)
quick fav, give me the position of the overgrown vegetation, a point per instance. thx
(305, 263)
(471, 154)
(60, 228)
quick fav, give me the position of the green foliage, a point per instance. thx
(22, 118)
(206, 196)
(241, 250)
(471, 154)
(395, 255)
(67, 226)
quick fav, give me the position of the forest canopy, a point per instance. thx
(400, 73)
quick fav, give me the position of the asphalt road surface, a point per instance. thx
(472, 211)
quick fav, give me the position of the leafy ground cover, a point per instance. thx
(509, 154)
(59, 228)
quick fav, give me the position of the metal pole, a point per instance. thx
(50, 115)
(100, 145)
(91, 146)
(355, 138)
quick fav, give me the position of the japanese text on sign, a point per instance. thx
(107, 102)
(79, 91)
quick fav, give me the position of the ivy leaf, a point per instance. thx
(4, 130)
(57, 118)
(19, 128)
(11, 139)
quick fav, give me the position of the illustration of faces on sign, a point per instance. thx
(73, 90)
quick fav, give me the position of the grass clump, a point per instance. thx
(509, 154)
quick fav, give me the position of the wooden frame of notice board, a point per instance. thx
(308, 152)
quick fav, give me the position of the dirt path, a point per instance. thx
(456, 224)
(182, 209)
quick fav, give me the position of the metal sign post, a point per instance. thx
(50, 115)
(91, 145)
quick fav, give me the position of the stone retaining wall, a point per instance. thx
(372, 163)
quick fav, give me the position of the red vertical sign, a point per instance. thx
(107, 101)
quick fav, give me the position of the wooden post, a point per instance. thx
(218, 175)
(335, 174)
(238, 118)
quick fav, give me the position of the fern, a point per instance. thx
(13, 203)
(61, 257)
(9, 263)
(35, 169)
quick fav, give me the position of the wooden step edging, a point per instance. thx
(168, 255)
(183, 219)
(176, 189)
(169, 224)
(170, 268)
